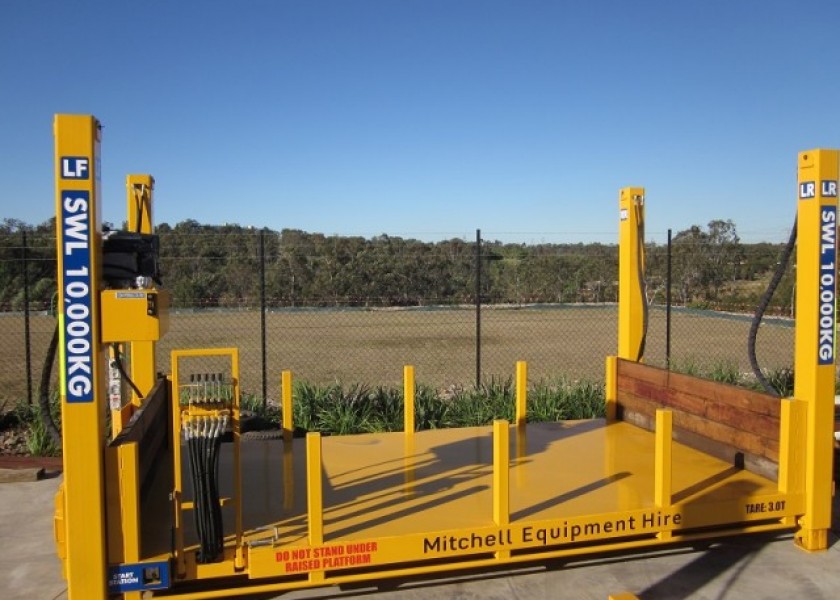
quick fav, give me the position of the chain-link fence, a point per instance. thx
(353, 310)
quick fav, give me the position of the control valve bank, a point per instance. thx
(158, 506)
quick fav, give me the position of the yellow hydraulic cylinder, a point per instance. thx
(631, 265)
(816, 326)
(82, 357)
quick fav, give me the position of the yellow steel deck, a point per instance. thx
(385, 485)
(372, 488)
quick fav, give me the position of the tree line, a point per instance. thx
(234, 266)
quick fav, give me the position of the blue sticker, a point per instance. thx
(828, 188)
(138, 577)
(807, 189)
(828, 277)
(75, 167)
(77, 336)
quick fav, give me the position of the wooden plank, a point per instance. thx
(745, 440)
(662, 396)
(719, 419)
(735, 406)
(654, 377)
(763, 425)
(761, 465)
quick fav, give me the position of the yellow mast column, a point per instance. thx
(139, 190)
(82, 357)
(814, 361)
(631, 300)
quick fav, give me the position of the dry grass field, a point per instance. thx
(372, 346)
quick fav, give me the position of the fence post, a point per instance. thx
(27, 342)
(668, 307)
(262, 320)
(477, 308)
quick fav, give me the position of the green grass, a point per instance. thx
(725, 371)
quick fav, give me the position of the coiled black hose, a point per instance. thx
(762, 308)
(640, 273)
(44, 390)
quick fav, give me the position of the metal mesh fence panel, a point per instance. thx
(350, 310)
(703, 341)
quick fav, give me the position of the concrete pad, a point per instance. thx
(28, 560)
(744, 567)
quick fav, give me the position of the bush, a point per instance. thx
(342, 410)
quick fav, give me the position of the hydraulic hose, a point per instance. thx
(118, 364)
(781, 267)
(640, 273)
(44, 390)
(203, 435)
(215, 501)
(193, 441)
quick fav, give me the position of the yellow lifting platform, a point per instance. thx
(164, 506)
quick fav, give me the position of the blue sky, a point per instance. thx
(431, 118)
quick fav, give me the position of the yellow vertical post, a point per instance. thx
(631, 302)
(794, 416)
(611, 388)
(314, 495)
(521, 417)
(814, 360)
(143, 374)
(314, 489)
(408, 395)
(288, 436)
(288, 410)
(82, 356)
(501, 478)
(409, 392)
(139, 190)
(239, 559)
(663, 467)
(521, 393)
